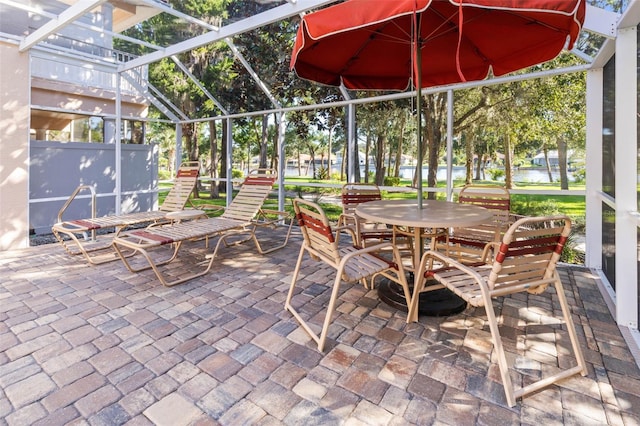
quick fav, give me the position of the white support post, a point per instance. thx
(626, 160)
(282, 125)
(353, 156)
(594, 101)
(118, 148)
(449, 145)
(229, 143)
(178, 146)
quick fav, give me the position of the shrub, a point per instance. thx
(391, 181)
(237, 174)
(580, 175)
(322, 173)
(164, 174)
(496, 174)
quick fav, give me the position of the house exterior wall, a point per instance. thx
(14, 148)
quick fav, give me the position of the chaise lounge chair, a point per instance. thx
(78, 231)
(243, 216)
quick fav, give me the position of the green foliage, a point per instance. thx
(496, 174)
(164, 174)
(538, 208)
(570, 253)
(580, 176)
(236, 174)
(391, 181)
(322, 173)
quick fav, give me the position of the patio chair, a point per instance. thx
(525, 261)
(77, 231)
(352, 263)
(467, 244)
(243, 216)
(352, 195)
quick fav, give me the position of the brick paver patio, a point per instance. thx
(99, 345)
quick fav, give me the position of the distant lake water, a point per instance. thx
(406, 172)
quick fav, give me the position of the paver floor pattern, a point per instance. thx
(99, 345)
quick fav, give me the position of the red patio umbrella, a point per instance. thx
(403, 44)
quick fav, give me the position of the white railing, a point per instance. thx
(66, 69)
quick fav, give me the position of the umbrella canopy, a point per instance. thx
(368, 44)
(400, 44)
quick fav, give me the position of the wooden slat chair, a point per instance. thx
(243, 216)
(467, 244)
(525, 261)
(352, 263)
(77, 231)
(352, 195)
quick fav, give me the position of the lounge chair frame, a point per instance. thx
(81, 233)
(243, 216)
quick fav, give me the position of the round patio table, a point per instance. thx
(434, 215)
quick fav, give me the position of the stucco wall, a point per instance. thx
(14, 148)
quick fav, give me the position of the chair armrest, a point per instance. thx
(370, 249)
(211, 208)
(489, 252)
(349, 230)
(449, 263)
(263, 220)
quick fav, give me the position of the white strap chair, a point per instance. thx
(467, 244)
(351, 263)
(525, 261)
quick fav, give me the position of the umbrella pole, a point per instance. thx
(419, 123)
(419, 130)
(417, 70)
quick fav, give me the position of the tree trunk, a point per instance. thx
(436, 107)
(367, 148)
(468, 147)
(483, 167)
(190, 133)
(562, 163)
(264, 140)
(345, 161)
(355, 157)
(380, 143)
(508, 177)
(547, 163)
(396, 171)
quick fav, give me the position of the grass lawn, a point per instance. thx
(530, 204)
(524, 204)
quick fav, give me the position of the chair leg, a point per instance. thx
(580, 367)
(330, 309)
(571, 328)
(294, 278)
(497, 345)
(287, 303)
(319, 339)
(511, 393)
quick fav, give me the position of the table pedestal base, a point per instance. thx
(436, 303)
